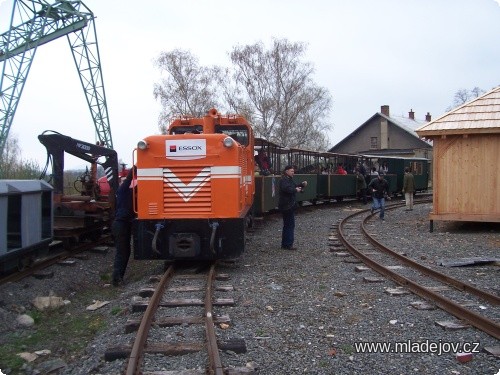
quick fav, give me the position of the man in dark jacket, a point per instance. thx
(379, 188)
(287, 203)
(122, 227)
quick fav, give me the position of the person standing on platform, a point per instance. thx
(361, 185)
(408, 188)
(122, 226)
(379, 188)
(287, 204)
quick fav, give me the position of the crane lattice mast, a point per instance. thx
(37, 22)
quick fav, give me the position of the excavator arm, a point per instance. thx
(57, 144)
(77, 217)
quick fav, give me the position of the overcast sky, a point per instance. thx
(408, 54)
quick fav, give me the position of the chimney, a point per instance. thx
(411, 115)
(385, 110)
(428, 117)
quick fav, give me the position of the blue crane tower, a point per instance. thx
(36, 22)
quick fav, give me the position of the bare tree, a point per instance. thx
(462, 96)
(275, 90)
(272, 88)
(232, 97)
(476, 91)
(12, 166)
(188, 88)
(10, 157)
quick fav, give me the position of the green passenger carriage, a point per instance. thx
(324, 183)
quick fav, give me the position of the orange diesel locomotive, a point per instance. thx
(195, 188)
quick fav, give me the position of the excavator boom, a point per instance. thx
(57, 144)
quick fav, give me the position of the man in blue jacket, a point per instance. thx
(122, 226)
(379, 188)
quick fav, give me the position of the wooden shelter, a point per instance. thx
(466, 166)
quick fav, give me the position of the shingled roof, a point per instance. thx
(480, 115)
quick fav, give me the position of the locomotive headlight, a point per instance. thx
(142, 145)
(228, 142)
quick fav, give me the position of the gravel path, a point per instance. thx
(299, 312)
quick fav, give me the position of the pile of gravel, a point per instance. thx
(305, 311)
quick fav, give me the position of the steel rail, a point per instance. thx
(133, 366)
(484, 324)
(460, 285)
(212, 347)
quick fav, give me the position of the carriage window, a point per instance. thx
(373, 143)
(417, 168)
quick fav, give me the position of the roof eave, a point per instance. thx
(437, 133)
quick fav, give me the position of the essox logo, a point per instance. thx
(185, 149)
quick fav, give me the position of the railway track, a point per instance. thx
(471, 305)
(58, 252)
(180, 300)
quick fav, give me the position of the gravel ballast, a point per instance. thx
(299, 312)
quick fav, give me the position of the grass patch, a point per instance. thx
(106, 277)
(8, 357)
(67, 331)
(324, 364)
(260, 333)
(116, 310)
(347, 349)
(63, 333)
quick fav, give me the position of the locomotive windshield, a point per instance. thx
(193, 129)
(238, 132)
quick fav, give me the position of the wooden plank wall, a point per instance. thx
(467, 178)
